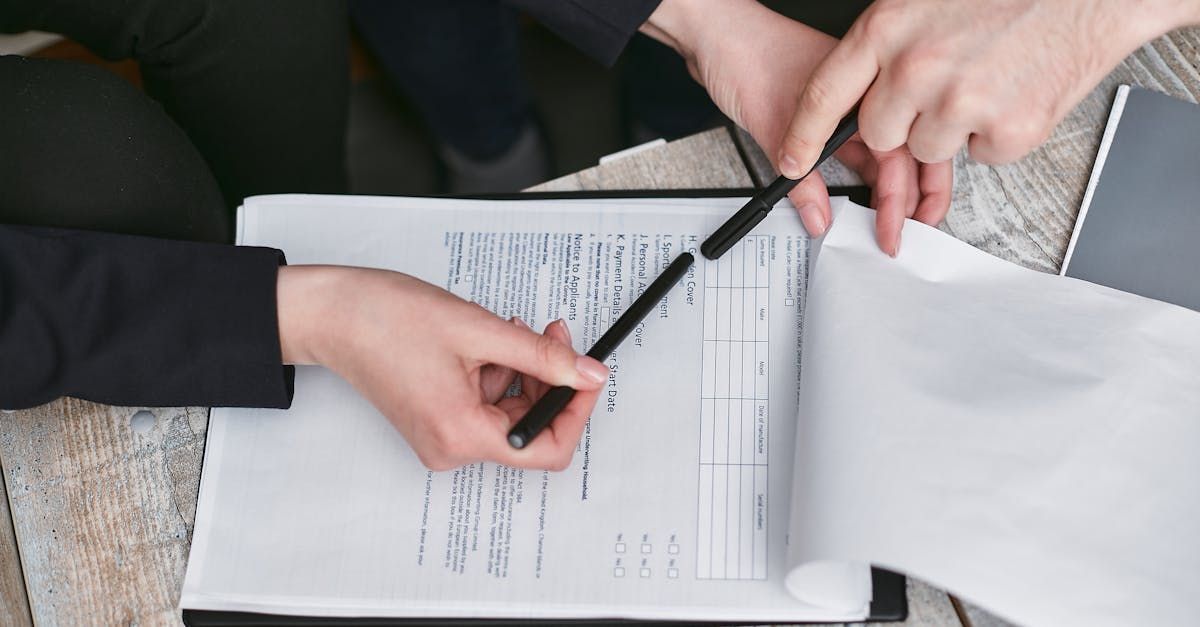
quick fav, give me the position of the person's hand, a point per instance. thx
(754, 63)
(995, 75)
(437, 366)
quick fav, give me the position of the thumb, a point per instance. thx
(833, 88)
(538, 355)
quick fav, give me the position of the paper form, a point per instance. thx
(1025, 440)
(676, 504)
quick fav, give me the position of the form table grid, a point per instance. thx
(733, 462)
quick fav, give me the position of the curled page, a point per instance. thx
(1029, 441)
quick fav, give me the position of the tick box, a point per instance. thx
(789, 302)
(646, 548)
(673, 573)
(645, 573)
(618, 572)
(673, 549)
(620, 548)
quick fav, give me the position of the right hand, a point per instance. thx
(437, 366)
(997, 77)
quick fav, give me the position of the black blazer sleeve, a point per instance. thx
(601, 28)
(128, 320)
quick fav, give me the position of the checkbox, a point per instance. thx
(645, 572)
(470, 278)
(620, 548)
(646, 548)
(673, 573)
(618, 572)
(673, 549)
(789, 302)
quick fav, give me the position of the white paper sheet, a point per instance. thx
(677, 502)
(1029, 441)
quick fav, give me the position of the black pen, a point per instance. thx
(553, 401)
(761, 204)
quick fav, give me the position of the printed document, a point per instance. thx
(1028, 441)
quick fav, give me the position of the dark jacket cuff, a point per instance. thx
(129, 320)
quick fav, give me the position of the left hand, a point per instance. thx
(754, 64)
(436, 365)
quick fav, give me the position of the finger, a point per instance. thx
(914, 190)
(494, 341)
(885, 117)
(897, 177)
(832, 89)
(934, 139)
(937, 187)
(856, 156)
(515, 408)
(531, 387)
(1009, 139)
(494, 381)
(811, 199)
(552, 449)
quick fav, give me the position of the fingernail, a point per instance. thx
(895, 248)
(519, 322)
(789, 167)
(816, 222)
(591, 369)
(565, 329)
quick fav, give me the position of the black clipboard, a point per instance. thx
(889, 589)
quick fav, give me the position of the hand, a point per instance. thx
(996, 75)
(437, 366)
(754, 63)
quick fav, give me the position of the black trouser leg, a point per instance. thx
(81, 148)
(458, 63)
(260, 86)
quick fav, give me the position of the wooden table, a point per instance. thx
(96, 517)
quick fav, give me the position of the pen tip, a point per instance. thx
(516, 440)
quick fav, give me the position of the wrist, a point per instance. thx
(305, 314)
(1149, 19)
(689, 25)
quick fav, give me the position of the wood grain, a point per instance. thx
(14, 605)
(103, 514)
(1024, 212)
(927, 607)
(706, 160)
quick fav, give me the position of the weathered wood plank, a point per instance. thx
(975, 616)
(705, 160)
(927, 607)
(103, 514)
(14, 605)
(1025, 211)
